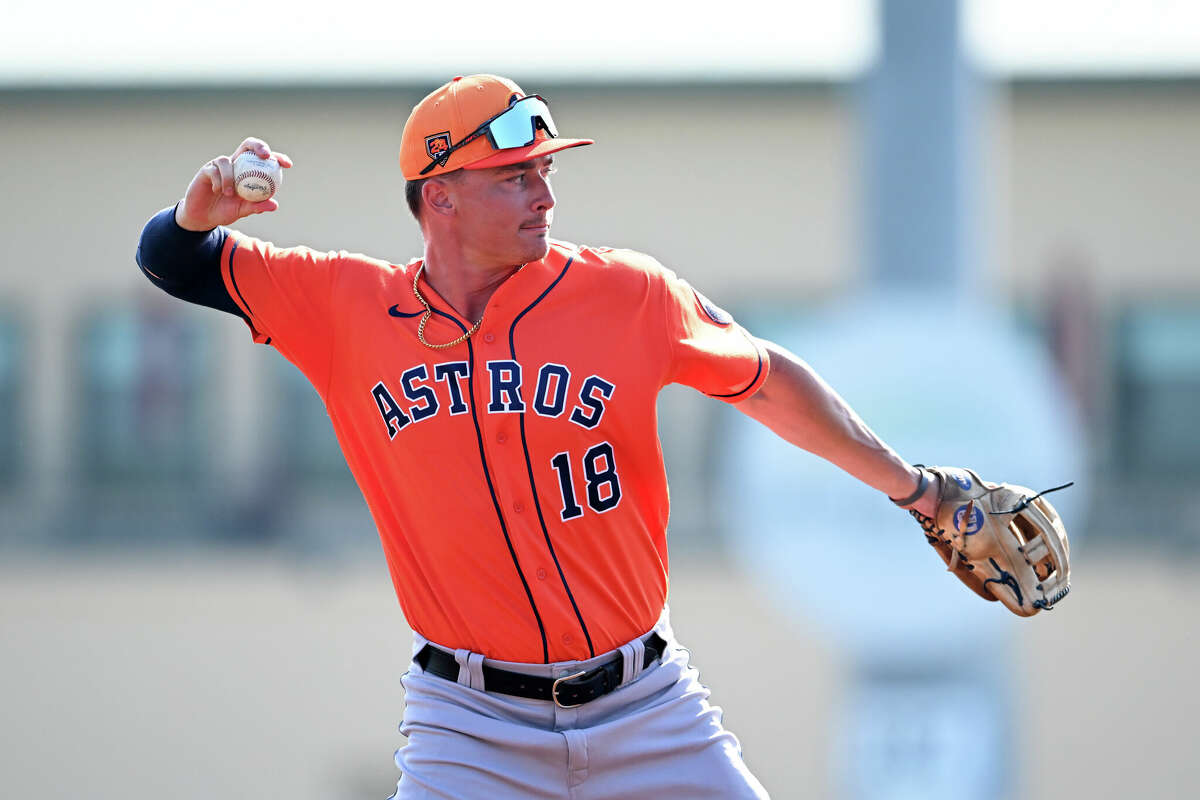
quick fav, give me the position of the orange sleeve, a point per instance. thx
(709, 351)
(287, 296)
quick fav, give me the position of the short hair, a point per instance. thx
(412, 193)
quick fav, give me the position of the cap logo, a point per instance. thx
(437, 145)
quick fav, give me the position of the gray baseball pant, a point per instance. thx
(655, 736)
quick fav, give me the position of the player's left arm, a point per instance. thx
(1003, 541)
(796, 403)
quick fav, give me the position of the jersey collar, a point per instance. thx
(520, 291)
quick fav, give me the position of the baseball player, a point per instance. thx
(495, 401)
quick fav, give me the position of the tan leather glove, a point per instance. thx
(1004, 541)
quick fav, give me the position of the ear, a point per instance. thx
(438, 196)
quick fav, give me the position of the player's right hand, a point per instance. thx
(210, 199)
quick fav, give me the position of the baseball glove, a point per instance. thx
(1004, 541)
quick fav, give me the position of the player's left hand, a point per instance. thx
(1004, 541)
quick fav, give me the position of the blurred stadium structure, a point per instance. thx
(191, 597)
(103, 381)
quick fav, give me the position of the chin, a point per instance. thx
(536, 251)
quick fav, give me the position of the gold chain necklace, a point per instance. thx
(429, 313)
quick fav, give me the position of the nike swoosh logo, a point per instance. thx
(396, 312)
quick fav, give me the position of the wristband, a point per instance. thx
(922, 484)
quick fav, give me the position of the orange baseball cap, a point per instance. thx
(454, 112)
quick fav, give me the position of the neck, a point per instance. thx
(464, 283)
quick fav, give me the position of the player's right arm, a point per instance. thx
(285, 295)
(180, 248)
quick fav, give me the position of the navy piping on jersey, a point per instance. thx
(529, 464)
(233, 280)
(495, 502)
(752, 381)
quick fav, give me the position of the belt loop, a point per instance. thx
(466, 675)
(633, 653)
(475, 670)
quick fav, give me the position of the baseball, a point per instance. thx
(256, 179)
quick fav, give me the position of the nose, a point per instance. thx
(543, 199)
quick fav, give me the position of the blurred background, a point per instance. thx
(951, 209)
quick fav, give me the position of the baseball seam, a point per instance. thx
(255, 173)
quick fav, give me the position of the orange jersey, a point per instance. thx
(516, 479)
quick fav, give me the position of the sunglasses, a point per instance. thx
(515, 126)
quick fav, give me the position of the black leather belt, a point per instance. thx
(566, 692)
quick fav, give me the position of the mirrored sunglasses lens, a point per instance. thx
(517, 127)
(541, 112)
(548, 123)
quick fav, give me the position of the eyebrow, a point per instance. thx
(524, 165)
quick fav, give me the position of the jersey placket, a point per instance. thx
(502, 380)
(509, 383)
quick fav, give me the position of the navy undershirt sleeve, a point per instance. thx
(185, 264)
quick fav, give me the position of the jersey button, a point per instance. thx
(541, 573)
(501, 437)
(518, 506)
(489, 337)
(567, 638)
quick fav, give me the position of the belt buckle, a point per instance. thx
(554, 689)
